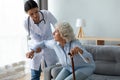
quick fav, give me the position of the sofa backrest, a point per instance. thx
(107, 58)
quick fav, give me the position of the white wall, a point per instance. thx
(102, 16)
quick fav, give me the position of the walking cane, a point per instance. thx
(73, 63)
(73, 71)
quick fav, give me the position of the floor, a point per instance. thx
(27, 77)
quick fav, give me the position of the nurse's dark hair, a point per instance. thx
(29, 5)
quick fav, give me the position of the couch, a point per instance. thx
(107, 60)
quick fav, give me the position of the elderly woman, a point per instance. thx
(64, 42)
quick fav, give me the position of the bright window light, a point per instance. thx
(12, 33)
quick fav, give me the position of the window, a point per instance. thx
(12, 34)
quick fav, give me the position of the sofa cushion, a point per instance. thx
(103, 77)
(107, 59)
(107, 68)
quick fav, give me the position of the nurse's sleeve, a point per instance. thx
(26, 24)
(51, 18)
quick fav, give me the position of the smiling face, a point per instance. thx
(63, 33)
(58, 38)
(34, 14)
(56, 35)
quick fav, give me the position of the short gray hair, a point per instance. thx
(66, 31)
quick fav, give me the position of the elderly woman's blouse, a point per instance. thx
(64, 58)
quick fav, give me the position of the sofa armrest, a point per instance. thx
(47, 72)
(55, 71)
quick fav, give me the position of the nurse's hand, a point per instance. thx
(30, 54)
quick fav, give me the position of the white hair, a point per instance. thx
(66, 31)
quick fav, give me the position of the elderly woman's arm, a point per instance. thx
(39, 46)
(79, 49)
(43, 44)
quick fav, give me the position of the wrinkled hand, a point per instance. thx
(30, 54)
(76, 50)
(38, 50)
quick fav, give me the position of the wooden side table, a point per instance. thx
(99, 40)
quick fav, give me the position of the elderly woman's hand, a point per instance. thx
(76, 50)
(38, 50)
